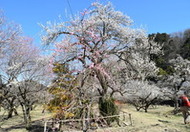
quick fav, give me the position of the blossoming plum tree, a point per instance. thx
(9, 32)
(142, 95)
(178, 81)
(90, 40)
(23, 70)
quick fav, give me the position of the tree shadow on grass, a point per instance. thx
(37, 126)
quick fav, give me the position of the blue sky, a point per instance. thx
(154, 15)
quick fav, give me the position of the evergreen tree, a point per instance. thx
(62, 91)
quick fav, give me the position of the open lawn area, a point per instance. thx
(157, 119)
(16, 123)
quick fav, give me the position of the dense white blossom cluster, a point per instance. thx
(181, 66)
(90, 40)
(141, 89)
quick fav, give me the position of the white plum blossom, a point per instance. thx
(181, 66)
(172, 84)
(141, 94)
(88, 43)
(142, 89)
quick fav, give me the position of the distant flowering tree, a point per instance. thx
(179, 80)
(8, 33)
(136, 62)
(89, 41)
(23, 70)
(142, 95)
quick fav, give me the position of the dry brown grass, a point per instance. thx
(158, 119)
(16, 124)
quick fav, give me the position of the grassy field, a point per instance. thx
(16, 124)
(158, 119)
